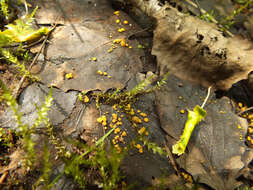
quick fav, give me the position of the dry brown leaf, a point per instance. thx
(196, 50)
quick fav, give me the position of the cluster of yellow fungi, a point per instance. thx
(115, 121)
(249, 116)
(121, 41)
(83, 97)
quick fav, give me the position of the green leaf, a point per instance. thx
(22, 31)
(194, 117)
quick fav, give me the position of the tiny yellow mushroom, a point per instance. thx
(115, 107)
(116, 137)
(182, 111)
(121, 30)
(117, 130)
(119, 123)
(142, 131)
(86, 99)
(104, 118)
(94, 59)
(187, 177)
(124, 134)
(100, 72)
(100, 120)
(250, 116)
(132, 112)
(146, 119)
(80, 97)
(117, 21)
(250, 130)
(136, 119)
(138, 146)
(123, 43)
(128, 107)
(116, 13)
(114, 116)
(117, 41)
(118, 149)
(125, 22)
(69, 76)
(110, 50)
(240, 104)
(143, 114)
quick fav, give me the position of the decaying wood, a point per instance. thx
(196, 50)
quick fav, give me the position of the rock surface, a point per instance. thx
(216, 153)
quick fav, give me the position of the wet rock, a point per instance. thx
(84, 46)
(34, 95)
(142, 168)
(216, 152)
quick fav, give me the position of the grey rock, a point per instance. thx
(216, 154)
(33, 96)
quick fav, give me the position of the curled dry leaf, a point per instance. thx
(195, 50)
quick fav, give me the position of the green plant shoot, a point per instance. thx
(4, 8)
(22, 31)
(194, 117)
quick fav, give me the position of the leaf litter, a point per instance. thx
(210, 155)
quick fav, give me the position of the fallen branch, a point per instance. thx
(173, 162)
